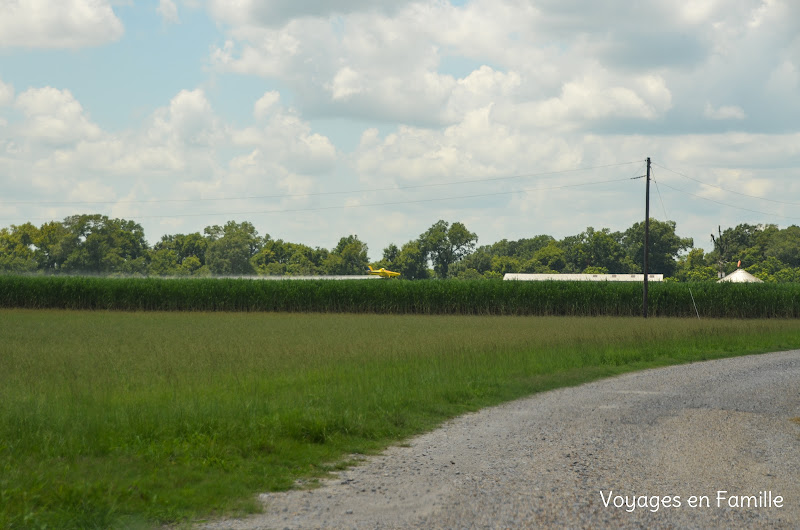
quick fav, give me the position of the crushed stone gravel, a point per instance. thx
(564, 458)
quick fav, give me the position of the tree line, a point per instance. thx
(97, 244)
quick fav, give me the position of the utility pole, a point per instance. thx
(646, 237)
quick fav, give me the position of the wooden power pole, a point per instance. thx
(646, 238)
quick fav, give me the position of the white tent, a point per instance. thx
(740, 276)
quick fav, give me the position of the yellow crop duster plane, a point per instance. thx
(383, 273)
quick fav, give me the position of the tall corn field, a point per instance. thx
(477, 297)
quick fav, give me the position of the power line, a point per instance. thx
(638, 174)
(666, 218)
(394, 203)
(348, 206)
(322, 193)
(730, 205)
(726, 189)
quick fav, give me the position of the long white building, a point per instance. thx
(584, 277)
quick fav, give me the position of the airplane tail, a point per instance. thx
(370, 268)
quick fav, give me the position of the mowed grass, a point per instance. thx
(115, 419)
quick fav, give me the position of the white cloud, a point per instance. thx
(6, 94)
(277, 12)
(700, 11)
(90, 190)
(266, 103)
(183, 150)
(785, 78)
(282, 138)
(346, 83)
(384, 65)
(57, 23)
(441, 93)
(545, 85)
(480, 89)
(477, 146)
(373, 65)
(168, 11)
(728, 112)
(273, 57)
(735, 150)
(588, 99)
(188, 121)
(54, 117)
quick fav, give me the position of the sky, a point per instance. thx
(317, 119)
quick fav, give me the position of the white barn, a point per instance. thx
(584, 277)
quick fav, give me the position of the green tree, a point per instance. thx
(54, 243)
(526, 248)
(348, 258)
(745, 242)
(480, 260)
(278, 258)
(305, 260)
(787, 275)
(185, 246)
(271, 258)
(191, 266)
(506, 264)
(410, 262)
(467, 274)
(596, 249)
(164, 262)
(389, 256)
(521, 251)
(18, 249)
(767, 269)
(446, 244)
(547, 260)
(231, 247)
(665, 246)
(695, 267)
(784, 245)
(97, 244)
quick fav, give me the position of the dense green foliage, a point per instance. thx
(119, 420)
(95, 244)
(461, 297)
(771, 254)
(591, 251)
(446, 245)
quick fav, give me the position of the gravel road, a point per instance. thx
(652, 439)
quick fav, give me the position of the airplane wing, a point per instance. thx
(382, 272)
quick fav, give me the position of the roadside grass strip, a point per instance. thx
(135, 419)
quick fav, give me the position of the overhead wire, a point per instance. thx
(426, 200)
(660, 198)
(726, 189)
(729, 205)
(391, 203)
(323, 193)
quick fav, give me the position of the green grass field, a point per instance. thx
(119, 419)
